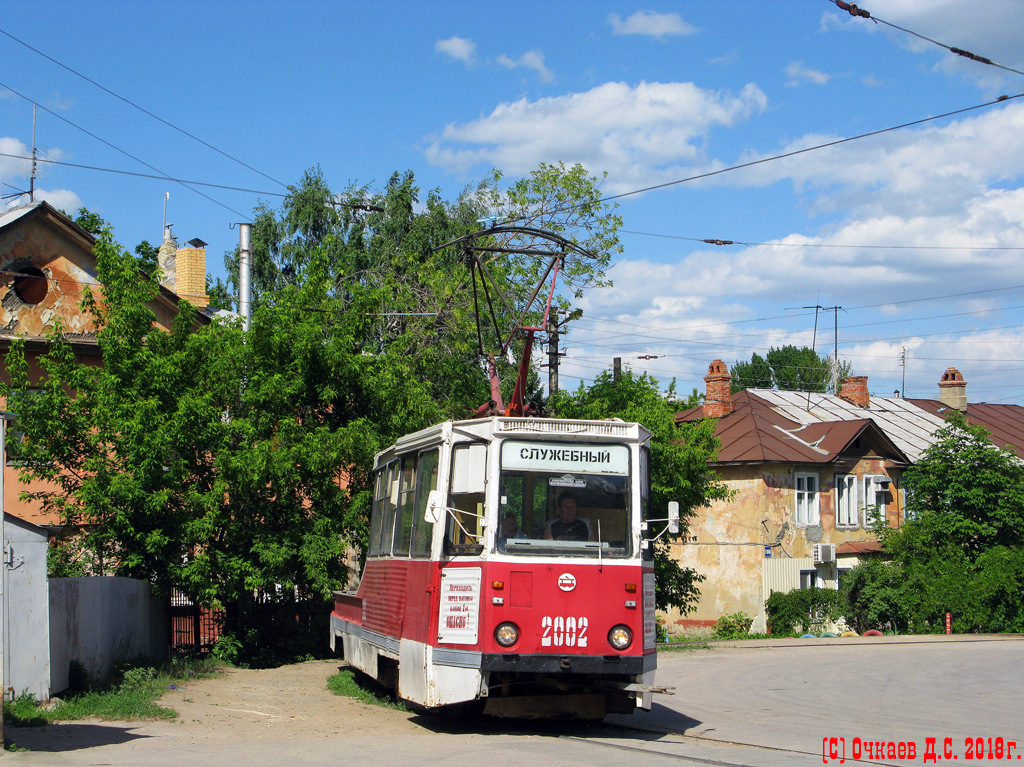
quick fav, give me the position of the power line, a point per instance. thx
(142, 109)
(855, 11)
(163, 175)
(794, 153)
(714, 241)
(147, 175)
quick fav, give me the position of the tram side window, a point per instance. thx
(377, 515)
(645, 483)
(404, 507)
(464, 525)
(426, 480)
(388, 504)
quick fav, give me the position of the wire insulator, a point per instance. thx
(971, 56)
(719, 242)
(853, 10)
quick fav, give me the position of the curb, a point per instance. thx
(786, 642)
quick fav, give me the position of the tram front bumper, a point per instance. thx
(603, 665)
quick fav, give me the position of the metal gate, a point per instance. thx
(193, 628)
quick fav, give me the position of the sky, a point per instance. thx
(915, 234)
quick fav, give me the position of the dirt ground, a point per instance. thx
(269, 705)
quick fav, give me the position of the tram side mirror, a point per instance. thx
(673, 517)
(435, 507)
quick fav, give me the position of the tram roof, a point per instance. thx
(499, 427)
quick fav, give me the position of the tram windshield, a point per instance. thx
(566, 499)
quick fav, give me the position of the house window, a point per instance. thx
(842, 573)
(806, 499)
(809, 579)
(846, 500)
(874, 500)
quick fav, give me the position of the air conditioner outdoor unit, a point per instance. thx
(824, 552)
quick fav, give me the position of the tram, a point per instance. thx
(508, 570)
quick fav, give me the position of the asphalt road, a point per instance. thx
(763, 706)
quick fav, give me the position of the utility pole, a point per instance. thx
(554, 330)
(32, 179)
(617, 369)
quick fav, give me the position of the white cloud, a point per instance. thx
(931, 171)
(59, 102)
(10, 167)
(459, 48)
(62, 199)
(990, 29)
(531, 60)
(798, 73)
(639, 134)
(651, 24)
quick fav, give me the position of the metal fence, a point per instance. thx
(193, 628)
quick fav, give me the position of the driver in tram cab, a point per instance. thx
(568, 527)
(509, 529)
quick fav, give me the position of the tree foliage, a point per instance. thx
(679, 462)
(234, 463)
(787, 368)
(961, 549)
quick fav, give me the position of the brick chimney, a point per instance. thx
(191, 274)
(718, 401)
(953, 390)
(854, 390)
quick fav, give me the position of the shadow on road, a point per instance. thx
(69, 737)
(642, 725)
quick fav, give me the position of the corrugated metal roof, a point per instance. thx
(758, 432)
(1005, 422)
(11, 215)
(909, 427)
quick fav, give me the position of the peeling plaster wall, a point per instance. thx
(726, 541)
(68, 270)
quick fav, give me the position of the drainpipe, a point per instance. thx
(244, 273)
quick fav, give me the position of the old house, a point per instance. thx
(46, 264)
(810, 476)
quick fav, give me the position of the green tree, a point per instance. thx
(962, 547)
(787, 368)
(147, 257)
(231, 463)
(679, 462)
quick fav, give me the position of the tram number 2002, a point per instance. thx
(560, 631)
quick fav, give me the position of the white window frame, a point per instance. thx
(817, 581)
(847, 508)
(805, 506)
(873, 508)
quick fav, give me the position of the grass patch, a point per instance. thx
(688, 645)
(346, 684)
(132, 696)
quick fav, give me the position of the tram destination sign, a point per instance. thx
(561, 457)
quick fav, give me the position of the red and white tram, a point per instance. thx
(507, 565)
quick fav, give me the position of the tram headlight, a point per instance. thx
(620, 637)
(507, 634)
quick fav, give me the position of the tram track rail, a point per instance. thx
(596, 739)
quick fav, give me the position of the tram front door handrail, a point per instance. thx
(432, 514)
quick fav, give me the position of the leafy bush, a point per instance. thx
(803, 609)
(660, 630)
(735, 626)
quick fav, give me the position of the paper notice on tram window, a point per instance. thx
(567, 481)
(458, 616)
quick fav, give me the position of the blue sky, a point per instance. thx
(929, 218)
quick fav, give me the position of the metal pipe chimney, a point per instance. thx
(245, 273)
